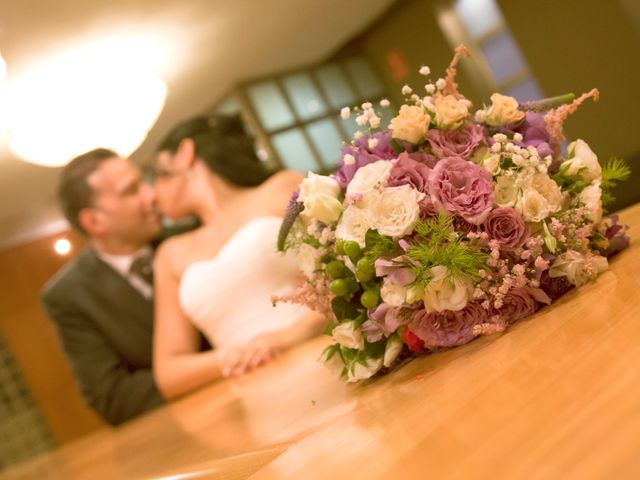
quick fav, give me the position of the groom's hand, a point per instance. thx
(240, 359)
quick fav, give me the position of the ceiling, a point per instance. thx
(208, 45)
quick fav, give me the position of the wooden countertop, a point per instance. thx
(557, 396)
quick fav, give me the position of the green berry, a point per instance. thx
(336, 269)
(339, 287)
(352, 249)
(369, 299)
(340, 247)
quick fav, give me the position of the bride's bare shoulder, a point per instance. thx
(175, 251)
(278, 189)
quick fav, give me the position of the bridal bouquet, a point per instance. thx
(448, 224)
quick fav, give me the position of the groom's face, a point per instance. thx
(124, 205)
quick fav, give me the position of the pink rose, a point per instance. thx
(517, 304)
(447, 328)
(462, 188)
(408, 171)
(506, 226)
(459, 142)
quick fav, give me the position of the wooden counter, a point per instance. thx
(557, 396)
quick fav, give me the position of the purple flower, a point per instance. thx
(363, 156)
(463, 188)
(617, 240)
(554, 287)
(517, 304)
(459, 142)
(388, 318)
(408, 171)
(448, 329)
(507, 227)
(534, 133)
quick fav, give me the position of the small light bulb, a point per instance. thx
(62, 246)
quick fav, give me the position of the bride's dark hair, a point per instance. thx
(222, 142)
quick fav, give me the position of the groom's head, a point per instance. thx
(104, 196)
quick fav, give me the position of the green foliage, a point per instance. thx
(614, 171)
(377, 245)
(436, 243)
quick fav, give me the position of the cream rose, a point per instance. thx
(533, 206)
(392, 294)
(392, 350)
(578, 268)
(411, 124)
(446, 293)
(396, 211)
(503, 111)
(505, 191)
(591, 197)
(582, 162)
(353, 224)
(369, 179)
(549, 190)
(319, 194)
(347, 335)
(450, 112)
(333, 360)
(357, 371)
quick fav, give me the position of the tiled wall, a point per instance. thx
(23, 433)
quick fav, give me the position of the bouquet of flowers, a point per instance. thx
(448, 225)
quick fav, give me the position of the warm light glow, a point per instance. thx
(93, 94)
(3, 72)
(62, 246)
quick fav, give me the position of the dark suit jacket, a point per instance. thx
(106, 330)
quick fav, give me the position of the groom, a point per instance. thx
(101, 302)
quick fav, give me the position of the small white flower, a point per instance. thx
(430, 88)
(345, 113)
(392, 350)
(500, 137)
(372, 143)
(428, 104)
(347, 335)
(517, 137)
(374, 121)
(361, 120)
(385, 103)
(496, 147)
(440, 83)
(424, 70)
(358, 135)
(407, 90)
(366, 105)
(349, 159)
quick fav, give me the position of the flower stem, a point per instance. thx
(545, 104)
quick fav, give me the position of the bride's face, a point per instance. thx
(171, 185)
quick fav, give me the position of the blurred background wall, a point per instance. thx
(538, 48)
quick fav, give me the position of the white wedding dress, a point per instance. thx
(228, 297)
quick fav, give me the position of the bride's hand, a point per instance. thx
(262, 349)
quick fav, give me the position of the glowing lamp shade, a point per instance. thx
(73, 103)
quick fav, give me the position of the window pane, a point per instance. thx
(294, 151)
(365, 78)
(304, 95)
(503, 56)
(349, 126)
(479, 16)
(326, 139)
(336, 86)
(270, 105)
(527, 89)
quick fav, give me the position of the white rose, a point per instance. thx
(578, 268)
(354, 224)
(369, 178)
(392, 294)
(411, 124)
(357, 371)
(591, 197)
(319, 194)
(450, 112)
(503, 110)
(533, 206)
(396, 211)
(392, 350)
(347, 335)
(582, 162)
(549, 189)
(445, 293)
(505, 191)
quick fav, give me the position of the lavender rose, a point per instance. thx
(507, 227)
(460, 142)
(448, 329)
(424, 158)
(408, 171)
(463, 188)
(517, 304)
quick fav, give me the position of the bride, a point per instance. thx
(219, 278)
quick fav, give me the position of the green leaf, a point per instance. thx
(549, 240)
(397, 147)
(343, 309)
